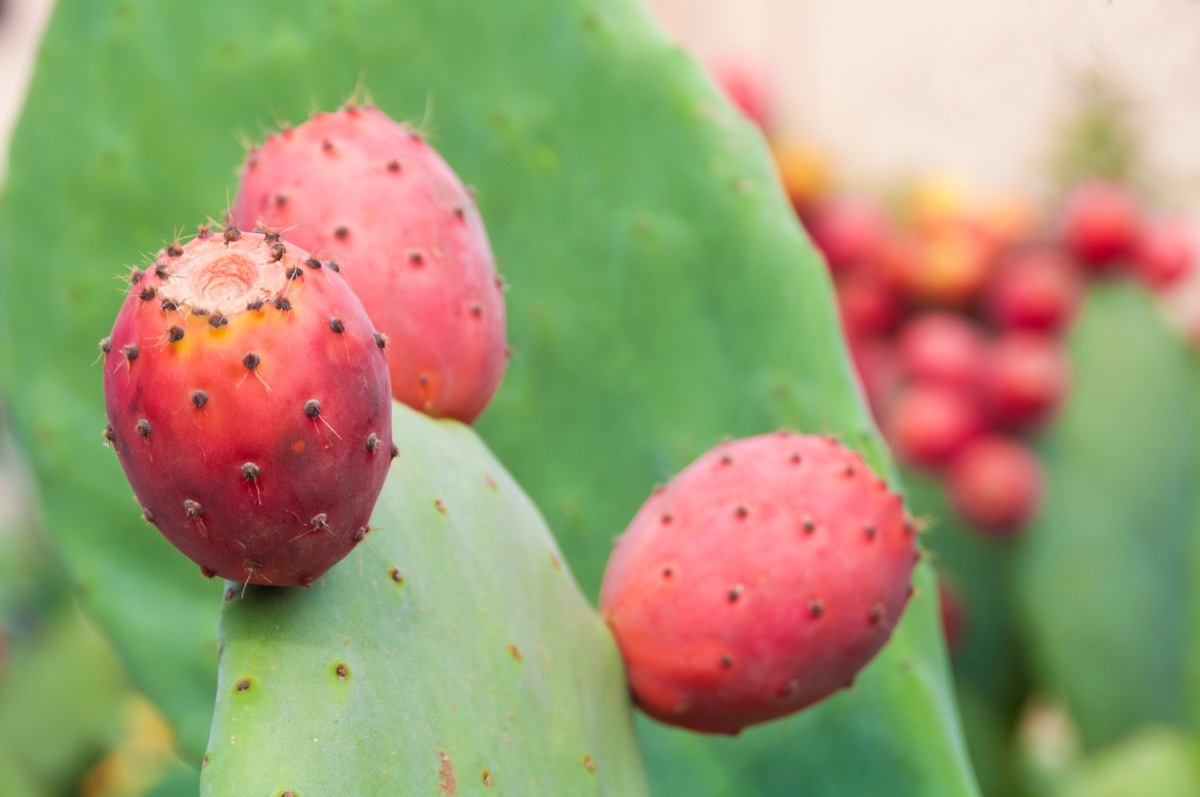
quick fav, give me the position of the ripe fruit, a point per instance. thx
(1165, 252)
(868, 304)
(1037, 289)
(848, 231)
(804, 171)
(995, 485)
(946, 265)
(927, 424)
(356, 186)
(1100, 224)
(248, 402)
(944, 348)
(745, 87)
(1028, 376)
(759, 581)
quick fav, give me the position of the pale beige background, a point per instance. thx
(978, 87)
(20, 27)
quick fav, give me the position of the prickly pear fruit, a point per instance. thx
(1165, 252)
(1038, 289)
(1027, 379)
(944, 348)
(848, 231)
(372, 194)
(1100, 225)
(928, 423)
(248, 401)
(995, 484)
(757, 582)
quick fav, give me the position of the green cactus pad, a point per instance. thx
(1104, 571)
(451, 650)
(1153, 760)
(663, 296)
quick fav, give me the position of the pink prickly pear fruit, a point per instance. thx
(1100, 225)
(944, 348)
(746, 87)
(1028, 376)
(848, 231)
(757, 582)
(995, 485)
(248, 402)
(927, 424)
(356, 186)
(1038, 289)
(1165, 252)
(868, 304)
(946, 265)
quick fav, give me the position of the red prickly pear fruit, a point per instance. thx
(927, 424)
(868, 304)
(942, 347)
(946, 265)
(1100, 225)
(848, 231)
(804, 172)
(995, 485)
(356, 186)
(746, 87)
(1027, 378)
(1165, 252)
(254, 421)
(757, 582)
(1038, 289)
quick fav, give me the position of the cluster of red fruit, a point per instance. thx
(955, 319)
(956, 324)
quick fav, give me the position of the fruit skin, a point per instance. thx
(848, 231)
(745, 86)
(1100, 225)
(1028, 376)
(946, 265)
(1038, 289)
(804, 172)
(757, 582)
(943, 348)
(867, 303)
(995, 485)
(927, 424)
(356, 186)
(255, 435)
(1165, 252)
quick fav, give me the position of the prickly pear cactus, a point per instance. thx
(1102, 573)
(454, 653)
(663, 296)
